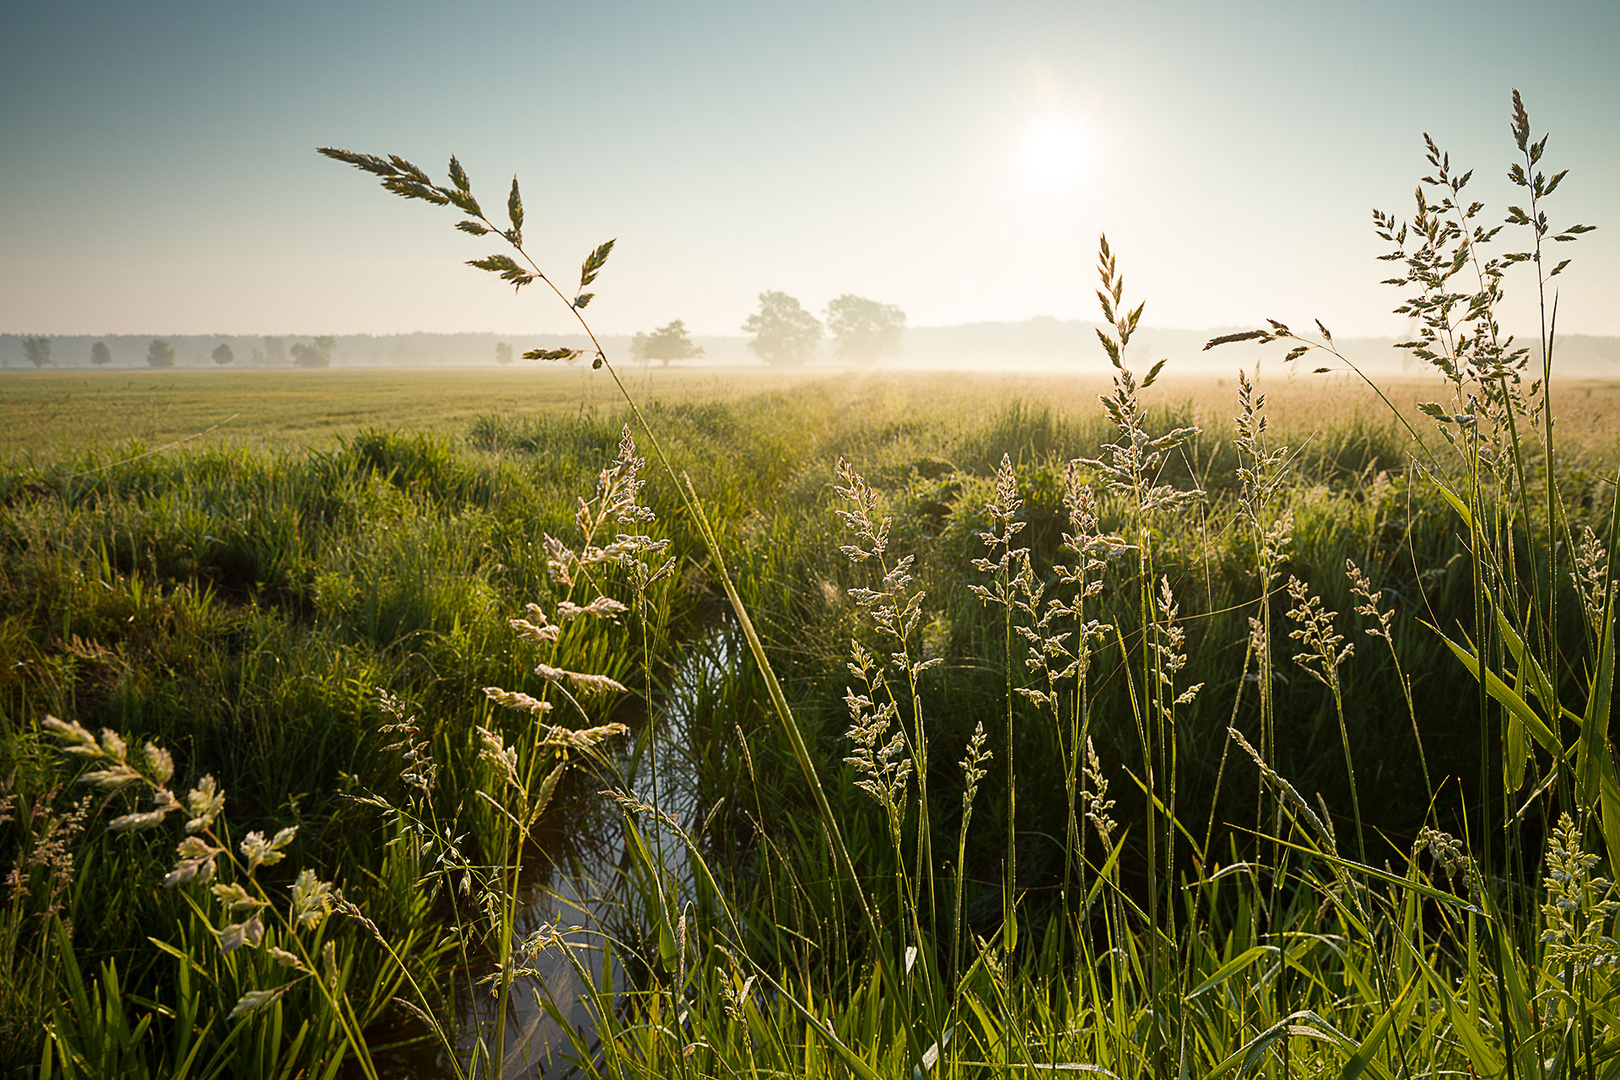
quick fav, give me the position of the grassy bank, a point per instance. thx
(240, 606)
(1018, 736)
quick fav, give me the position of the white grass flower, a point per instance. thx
(311, 899)
(602, 607)
(158, 764)
(204, 802)
(195, 862)
(1591, 576)
(164, 803)
(536, 629)
(1094, 795)
(1362, 587)
(880, 761)
(261, 852)
(113, 745)
(514, 699)
(287, 959)
(1292, 795)
(111, 777)
(973, 770)
(582, 740)
(1132, 463)
(1445, 849)
(864, 501)
(1321, 655)
(1003, 510)
(1579, 906)
(499, 756)
(77, 738)
(249, 931)
(581, 682)
(1170, 643)
(234, 897)
(560, 560)
(256, 1001)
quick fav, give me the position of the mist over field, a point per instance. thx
(1045, 345)
(903, 610)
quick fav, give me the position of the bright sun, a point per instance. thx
(1053, 155)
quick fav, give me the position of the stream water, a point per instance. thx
(577, 887)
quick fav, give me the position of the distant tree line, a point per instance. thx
(783, 333)
(863, 330)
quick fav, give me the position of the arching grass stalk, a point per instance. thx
(1064, 657)
(402, 178)
(895, 609)
(1459, 337)
(973, 770)
(1130, 469)
(1261, 470)
(1362, 586)
(1004, 525)
(1323, 650)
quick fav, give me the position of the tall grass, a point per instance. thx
(1295, 952)
(1015, 781)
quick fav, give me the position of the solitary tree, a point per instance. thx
(317, 353)
(100, 355)
(503, 352)
(160, 354)
(38, 350)
(665, 343)
(784, 333)
(222, 354)
(864, 330)
(275, 351)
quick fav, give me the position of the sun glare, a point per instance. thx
(1053, 155)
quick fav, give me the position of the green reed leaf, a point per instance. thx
(1506, 696)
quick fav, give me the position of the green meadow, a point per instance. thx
(232, 565)
(879, 724)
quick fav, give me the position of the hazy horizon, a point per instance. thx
(956, 161)
(1037, 345)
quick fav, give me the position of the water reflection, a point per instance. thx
(579, 893)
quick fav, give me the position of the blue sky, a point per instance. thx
(158, 171)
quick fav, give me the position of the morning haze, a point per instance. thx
(952, 160)
(883, 636)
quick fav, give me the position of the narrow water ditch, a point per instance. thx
(578, 887)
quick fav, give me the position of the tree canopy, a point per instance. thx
(160, 354)
(223, 354)
(784, 333)
(666, 343)
(100, 354)
(317, 353)
(863, 329)
(503, 352)
(38, 350)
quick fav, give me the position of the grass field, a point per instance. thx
(238, 593)
(45, 413)
(42, 412)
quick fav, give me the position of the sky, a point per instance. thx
(158, 171)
